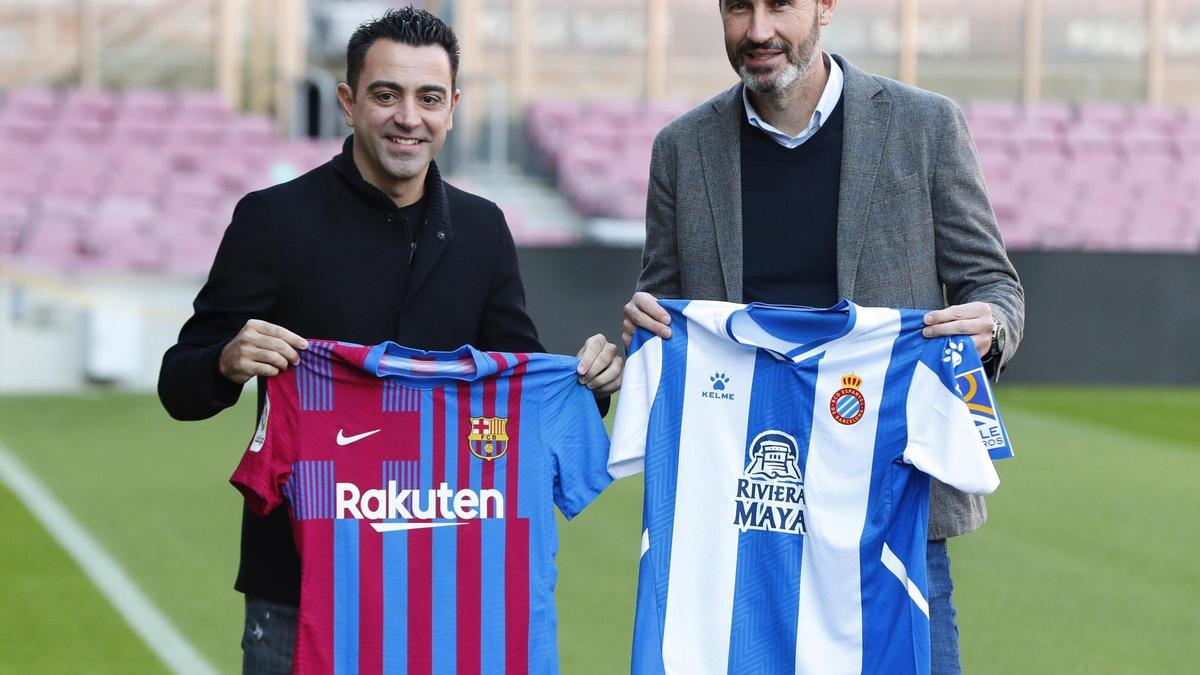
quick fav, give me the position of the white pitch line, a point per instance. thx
(138, 611)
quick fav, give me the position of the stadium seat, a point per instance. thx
(1039, 139)
(153, 170)
(147, 105)
(202, 106)
(23, 130)
(1052, 115)
(1090, 142)
(1112, 117)
(31, 103)
(1000, 115)
(1149, 141)
(88, 104)
(1161, 118)
(112, 178)
(256, 131)
(1060, 176)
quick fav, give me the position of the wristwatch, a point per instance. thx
(998, 338)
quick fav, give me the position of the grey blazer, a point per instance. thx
(915, 228)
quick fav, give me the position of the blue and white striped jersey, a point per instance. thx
(787, 453)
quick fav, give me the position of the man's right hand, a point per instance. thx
(643, 311)
(260, 348)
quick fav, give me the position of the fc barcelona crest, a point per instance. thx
(488, 437)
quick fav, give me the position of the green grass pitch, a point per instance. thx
(1087, 565)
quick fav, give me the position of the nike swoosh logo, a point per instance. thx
(347, 440)
(401, 527)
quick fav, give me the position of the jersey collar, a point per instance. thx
(425, 368)
(788, 332)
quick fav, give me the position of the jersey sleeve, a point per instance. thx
(267, 461)
(950, 426)
(574, 433)
(639, 387)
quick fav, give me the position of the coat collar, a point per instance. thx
(867, 110)
(721, 161)
(438, 230)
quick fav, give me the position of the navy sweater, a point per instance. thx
(789, 216)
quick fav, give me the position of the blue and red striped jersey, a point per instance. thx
(421, 488)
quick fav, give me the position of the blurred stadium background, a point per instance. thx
(129, 128)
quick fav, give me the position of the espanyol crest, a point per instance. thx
(848, 404)
(488, 437)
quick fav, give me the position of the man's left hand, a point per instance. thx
(973, 318)
(600, 366)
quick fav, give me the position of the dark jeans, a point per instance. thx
(269, 637)
(943, 629)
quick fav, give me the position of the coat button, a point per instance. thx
(389, 219)
(441, 235)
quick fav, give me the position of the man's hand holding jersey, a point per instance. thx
(600, 366)
(973, 319)
(260, 348)
(643, 311)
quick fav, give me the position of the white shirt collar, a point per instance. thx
(828, 101)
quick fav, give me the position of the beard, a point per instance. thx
(799, 63)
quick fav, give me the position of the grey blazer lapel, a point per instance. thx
(867, 116)
(720, 156)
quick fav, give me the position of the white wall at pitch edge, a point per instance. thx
(72, 334)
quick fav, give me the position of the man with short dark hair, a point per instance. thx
(810, 181)
(369, 247)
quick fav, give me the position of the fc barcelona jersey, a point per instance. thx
(421, 488)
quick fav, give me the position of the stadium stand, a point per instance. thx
(1098, 176)
(600, 152)
(141, 181)
(144, 181)
(1092, 177)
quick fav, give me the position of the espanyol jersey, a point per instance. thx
(787, 454)
(421, 488)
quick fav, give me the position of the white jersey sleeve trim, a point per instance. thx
(639, 387)
(942, 439)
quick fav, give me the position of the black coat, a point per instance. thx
(327, 256)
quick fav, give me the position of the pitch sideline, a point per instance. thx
(150, 624)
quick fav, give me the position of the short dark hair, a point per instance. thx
(409, 26)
